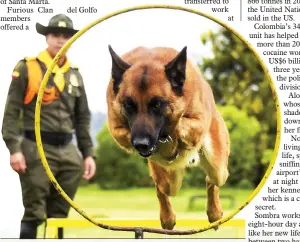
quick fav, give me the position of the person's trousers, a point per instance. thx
(29, 230)
(40, 198)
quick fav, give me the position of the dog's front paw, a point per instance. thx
(213, 216)
(187, 138)
(181, 130)
(123, 137)
(168, 221)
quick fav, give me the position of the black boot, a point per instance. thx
(28, 230)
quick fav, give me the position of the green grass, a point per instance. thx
(143, 203)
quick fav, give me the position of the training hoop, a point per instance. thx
(145, 229)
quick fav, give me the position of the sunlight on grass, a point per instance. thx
(143, 203)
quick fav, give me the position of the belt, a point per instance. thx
(50, 138)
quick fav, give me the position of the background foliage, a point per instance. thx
(237, 78)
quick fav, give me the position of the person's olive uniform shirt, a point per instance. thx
(55, 116)
(39, 196)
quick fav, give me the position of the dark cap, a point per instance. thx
(57, 24)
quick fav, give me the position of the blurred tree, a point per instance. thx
(117, 169)
(237, 78)
(243, 130)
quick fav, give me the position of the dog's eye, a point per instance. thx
(157, 105)
(129, 104)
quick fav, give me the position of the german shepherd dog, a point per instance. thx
(160, 106)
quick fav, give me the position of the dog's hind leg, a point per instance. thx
(168, 182)
(213, 182)
(215, 161)
(213, 208)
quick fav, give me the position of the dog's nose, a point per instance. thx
(141, 144)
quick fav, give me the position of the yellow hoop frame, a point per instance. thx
(81, 32)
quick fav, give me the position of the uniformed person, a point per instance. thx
(64, 110)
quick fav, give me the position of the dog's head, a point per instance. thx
(148, 85)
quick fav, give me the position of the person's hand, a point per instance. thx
(18, 162)
(89, 168)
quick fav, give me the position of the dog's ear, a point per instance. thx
(118, 69)
(175, 71)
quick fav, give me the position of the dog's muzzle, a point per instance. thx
(144, 147)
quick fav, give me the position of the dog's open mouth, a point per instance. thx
(165, 139)
(168, 139)
(147, 154)
(162, 139)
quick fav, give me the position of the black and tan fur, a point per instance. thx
(160, 106)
